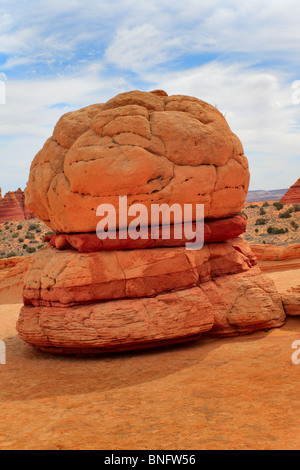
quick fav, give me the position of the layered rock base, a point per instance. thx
(86, 303)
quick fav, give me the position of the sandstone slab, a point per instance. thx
(229, 306)
(214, 231)
(66, 278)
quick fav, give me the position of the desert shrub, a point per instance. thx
(242, 213)
(253, 206)
(38, 230)
(264, 242)
(256, 230)
(11, 254)
(30, 249)
(15, 235)
(276, 230)
(5, 223)
(296, 207)
(19, 227)
(285, 215)
(24, 246)
(262, 211)
(265, 204)
(21, 239)
(294, 225)
(261, 221)
(29, 236)
(40, 246)
(278, 205)
(33, 227)
(33, 241)
(6, 227)
(49, 233)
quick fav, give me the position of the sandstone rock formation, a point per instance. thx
(84, 295)
(150, 147)
(288, 285)
(12, 272)
(114, 301)
(12, 207)
(277, 258)
(282, 263)
(292, 195)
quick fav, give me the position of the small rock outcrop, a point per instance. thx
(292, 195)
(282, 263)
(12, 207)
(12, 272)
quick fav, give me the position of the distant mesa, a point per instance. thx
(261, 195)
(292, 195)
(12, 206)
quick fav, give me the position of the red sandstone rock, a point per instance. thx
(12, 272)
(83, 295)
(214, 231)
(292, 195)
(270, 252)
(117, 325)
(12, 207)
(150, 147)
(288, 286)
(243, 303)
(66, 278)
(228, 306)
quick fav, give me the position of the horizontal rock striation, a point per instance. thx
(214, 231)
(227, 306)
(292, 195)
(12, 207)
(65, 278)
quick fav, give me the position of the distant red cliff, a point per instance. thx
(12, 206)
(292, 195)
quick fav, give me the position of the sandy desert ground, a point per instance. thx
(240, 393)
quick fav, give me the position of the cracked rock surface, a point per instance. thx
(150, 147)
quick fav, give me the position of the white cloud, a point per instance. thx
(258, 107)
(141, 48)
(32, 109)
(72, 45)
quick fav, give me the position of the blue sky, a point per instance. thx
(241, 56)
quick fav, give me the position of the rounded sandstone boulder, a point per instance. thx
(148, 146)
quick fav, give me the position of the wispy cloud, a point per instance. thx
(241, 56)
